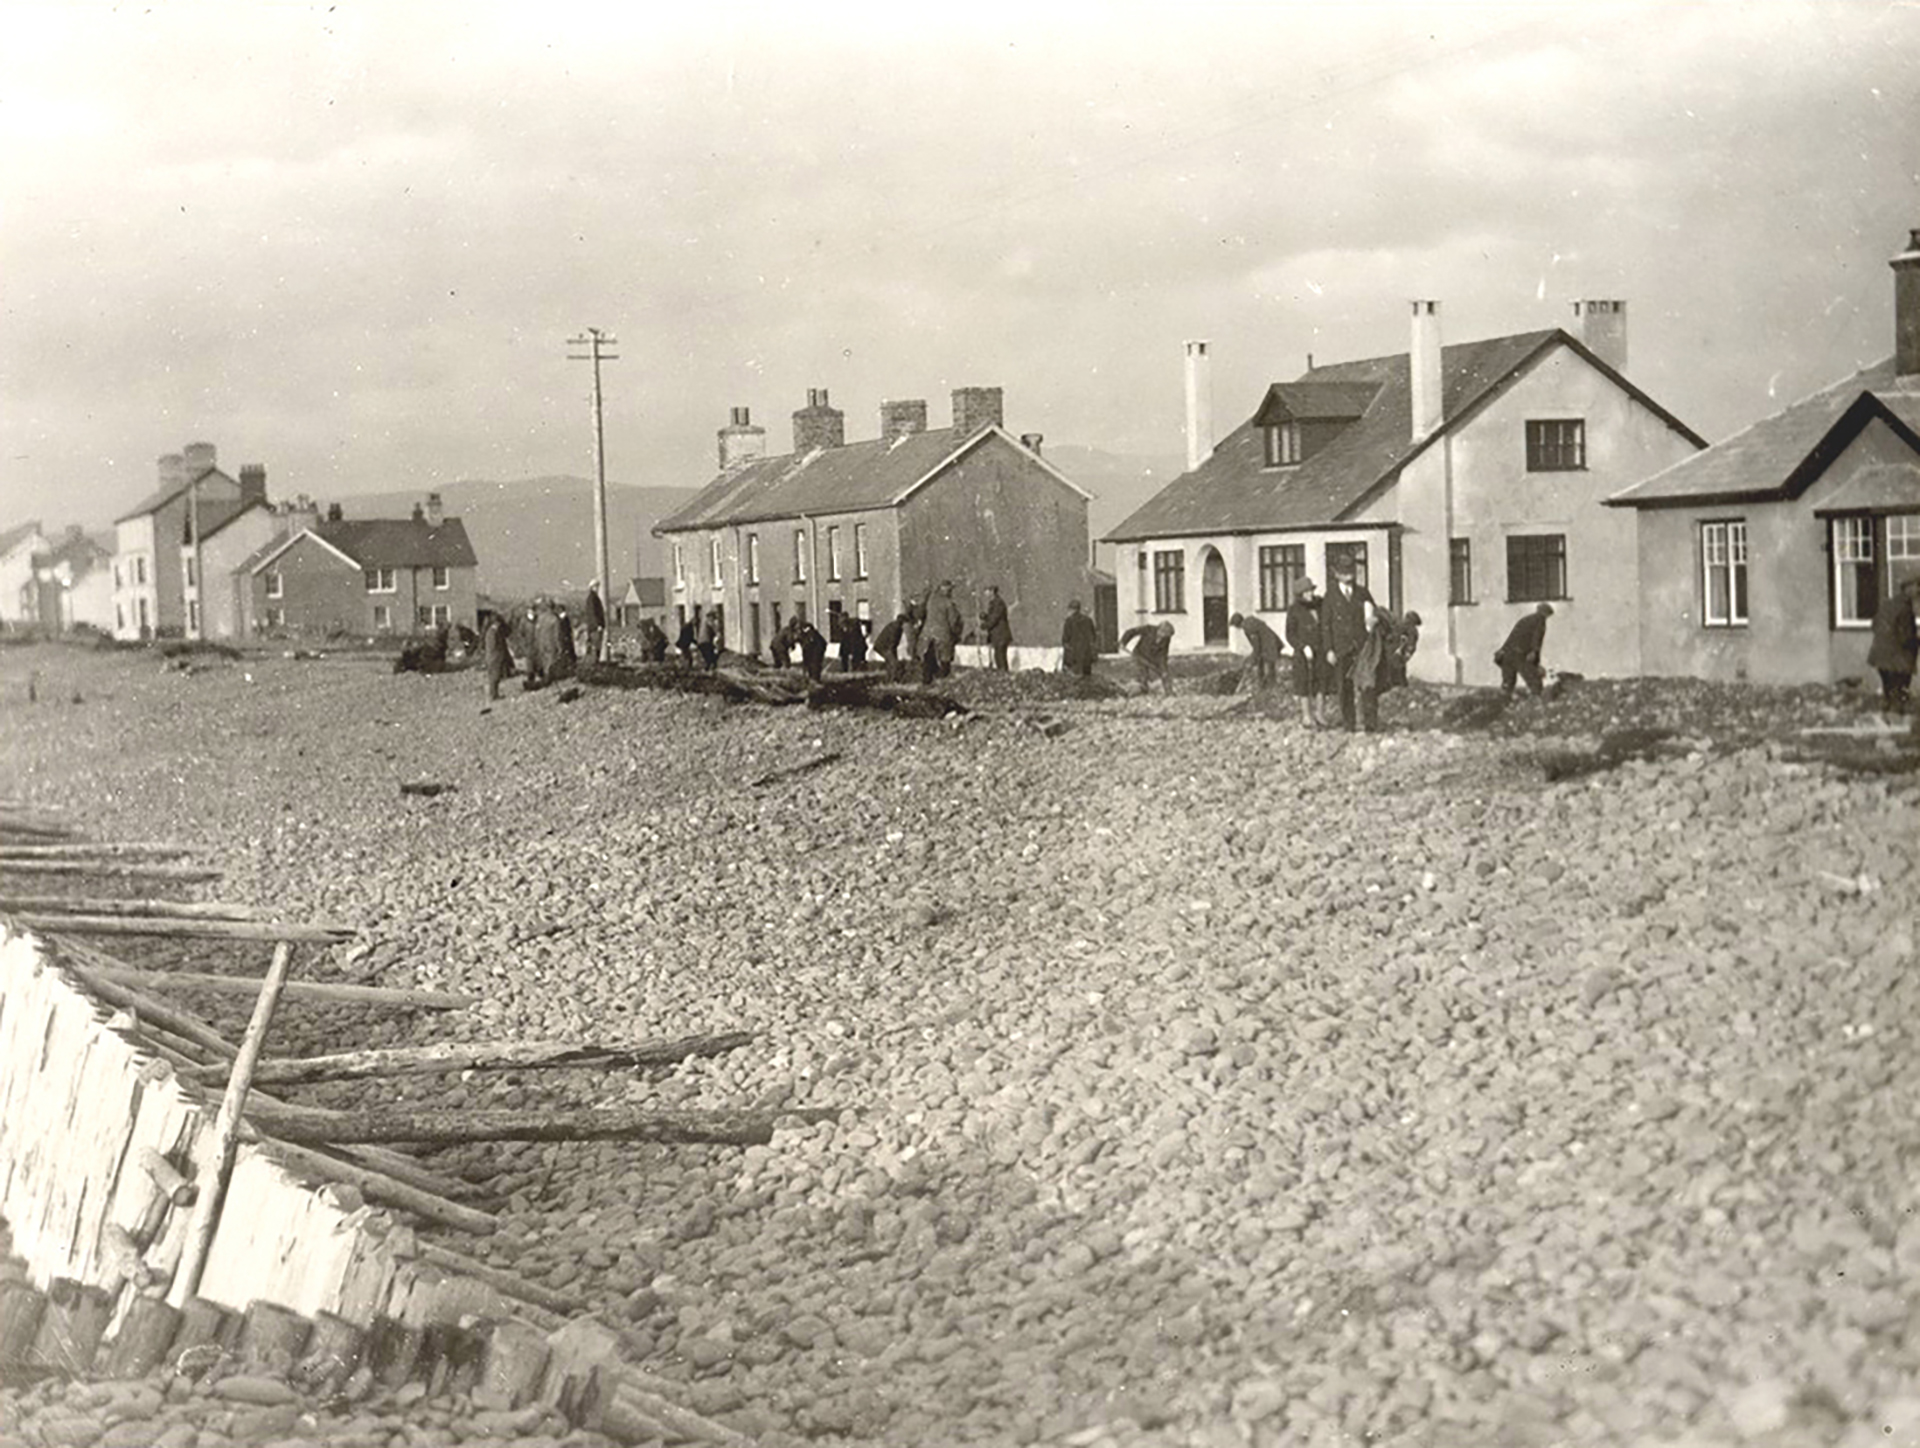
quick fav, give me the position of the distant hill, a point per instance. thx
(535, 534)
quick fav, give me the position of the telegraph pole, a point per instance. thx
(596, 342)
(196, 620)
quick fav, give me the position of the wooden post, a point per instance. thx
(392, 1350)
(177, 929)
(217, 1167)
(198, 1344)
(72, 1326)
(146, 1332)
(516, 1361)
(271, 1338)
(21, 1307)
(333, 1352)
(376, 1186)
(507, 1284)
(312, 990)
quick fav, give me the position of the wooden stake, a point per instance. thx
(307, 990)
(492, 1056)
(516, 1361)
(618, 1123)
(146, 1332)
(271, 1338)
(218, 1165)
(21, 1308)
(506, 1283)
(379, 1187)
(71, 1327)
(333, 1352)
(183, 929)
(116, 905)
(97, 850)
(109, 870)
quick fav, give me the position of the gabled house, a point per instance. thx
(361, 577)
(1766, 556)
(644, 598)
(72, 584)
(18, 597)
(150, 573)
(230, 533)
(1465, 482)
(835, 529)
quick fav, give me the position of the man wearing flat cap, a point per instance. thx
(1343, 632)
(1520, 654)
(1079, 642)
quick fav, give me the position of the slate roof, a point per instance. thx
(165, 494)
(215, 515)
(382, 543)
(1315, 401)
(1779, 456)
(648, 592)
(1234, 491)
(11, 538)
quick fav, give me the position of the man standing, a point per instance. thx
(709, 639)
(1343, 630)
(1079, 642)
(813, 649)
(595, 623)
(1150, 654)
(941, 633)
(995, 627)
(493, 648)
(1520, 654)
(1893, 651)
(886, 643)
(1303, 637)
(1265, 661)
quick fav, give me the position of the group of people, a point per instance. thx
(543, 636)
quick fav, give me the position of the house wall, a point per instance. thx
(321, 591)
(156, 535)
(18, 596)
(1790, 638)
(998, 517)
(220, 554)
(1475, 485)
(133, 540)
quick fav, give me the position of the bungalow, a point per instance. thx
(1463, 482)
(836, 529)
(1766, 556)
(150, 566)
(18, 596)
(347, 577)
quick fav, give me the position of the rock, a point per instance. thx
(259, 1392)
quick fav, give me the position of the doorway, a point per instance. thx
(1213, 599)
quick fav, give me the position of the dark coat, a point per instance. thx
(493, 647)
(1343, 622)
(888, 639)
(1303, 626)
(944, 626)
(1523, 645)
(1079, 643)
(1894, 636)
(994, 624)
(1153, 645)
(1265, 642)
(596, 610)
(813, 648)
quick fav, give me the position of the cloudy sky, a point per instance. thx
(351, 240)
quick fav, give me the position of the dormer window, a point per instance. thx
(1283, 444)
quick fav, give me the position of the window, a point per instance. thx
(119, 619)
(116, 576)
(140, 604)
(440, 613)
(1723, 573)
(276, 586)
(1903, 545)
(381, 580)
(859, 550)
(836, 614)
(833, 555)
(190, 574)
(1459, 570)
(1855, 594)
(863, 607)
(423, 615)
(193, 615)
(1536, 567)
(799, 555)
(1556, 446)
(1283, 445)
(140, 570)
(713, 562)
(1169, 581)
(753, 558)
(1347, 555)
(276, 618)
(442, 577)
(1281, 569)
(382, 618)
(679, 567)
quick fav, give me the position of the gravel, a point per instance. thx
(1207, 1082)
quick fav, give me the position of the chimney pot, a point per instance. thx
(335, 512)
(1031, 442)
(1199, 379)
(1425, 381)
(1906, 310)
(436, 510)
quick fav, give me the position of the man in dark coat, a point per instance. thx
(1150, 653)
(1303, 637)
(1520, 654)
(1894, 648)
(941, 632)
(653, 641)
(996, 628)
(494, 650)
(1343, 631)
(1079, 642)
(886, 643)
(595, 623)
(813, 650)
(1265, 660)
(543, 655)
(566, 661)
(709, 637)
(688, 638)
(853, 645)
(780, 646)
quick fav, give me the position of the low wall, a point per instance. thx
(1019, 656)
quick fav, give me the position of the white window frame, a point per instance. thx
(442, 578)
(276, 584)
(383, 618)
(713, 563)
(800, 551)
(383, 580)
(859, 550)
(753, 559)
(440, 613)
(1283, 445)
(1851, 541)
(1903, 546)
(833, 553)
(679, 569)
(1723, 551)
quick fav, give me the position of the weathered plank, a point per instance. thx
(167, 926)
(492, 1056)
(310, 990)
(612, 1123)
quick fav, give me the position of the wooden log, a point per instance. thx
(146, 1333)
(516, 1361)
(307, 990)
(116, 905)
(376, 1186)
(225, 1136)
(262, 930)
(272, 1338)
(393, 1348)
(174, 1186)
(201, 1339)
(616, 1405)
(507, 1284)
(98, 849)
(110, 869)
(806, 766)
(71, 1327)
(491, 1056)
(21, 1308)
(616, 1123)
(99, 980)
(333, 1351)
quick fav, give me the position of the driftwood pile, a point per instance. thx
(740, 683)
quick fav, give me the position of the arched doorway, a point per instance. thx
(1213, 598)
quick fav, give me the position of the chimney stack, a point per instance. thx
(1425, 381)
(819, 424)
(1199, 405)
(436, 510)
(1603, 328)
(973, 409)
(335, 512)
(173, 470)
(198, 457)
(740, 441)
(1906, 310)
(253, 482)
(902, 418)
